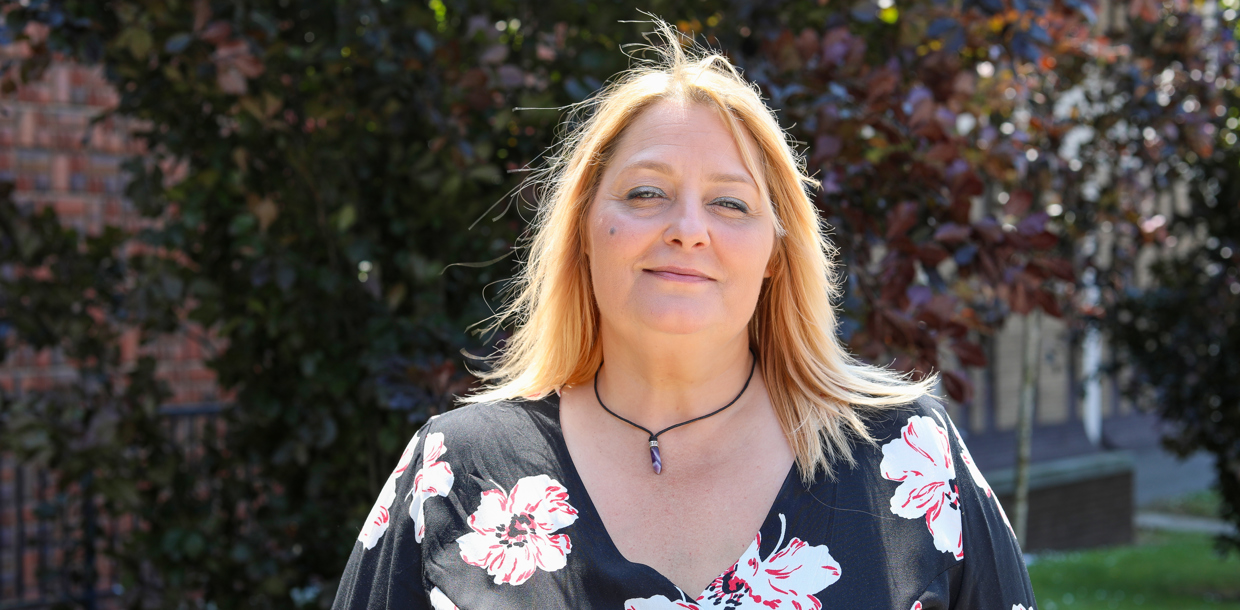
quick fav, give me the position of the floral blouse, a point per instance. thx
(486, 511)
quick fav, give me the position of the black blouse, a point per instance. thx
(487, 512)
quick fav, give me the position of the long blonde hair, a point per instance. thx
(817, 389)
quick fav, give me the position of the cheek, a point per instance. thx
(614, 240)
(608, 248)
(750, 258)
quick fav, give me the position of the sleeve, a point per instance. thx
(993, 573)
(385, 570)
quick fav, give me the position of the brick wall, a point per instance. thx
(56, 157)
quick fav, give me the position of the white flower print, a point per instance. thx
(435, 478)
(513, 533)
(977, 477)
(788, 578)
(439, 601)
(1019, 607)
(916, 605)
(921, 460)
(377, 520)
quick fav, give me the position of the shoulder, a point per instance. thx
(890, 423)
(497, 430)
(486, 421)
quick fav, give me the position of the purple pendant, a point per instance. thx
(656, 460)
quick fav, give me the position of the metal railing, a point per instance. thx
(50, 540)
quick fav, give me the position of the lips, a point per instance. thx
(679, 274)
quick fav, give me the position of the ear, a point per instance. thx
(776, 259)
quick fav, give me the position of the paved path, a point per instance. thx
(1160, 475)
(1181, 523)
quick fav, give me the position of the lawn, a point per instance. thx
(1163, 570)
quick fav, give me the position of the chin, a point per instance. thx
(679, 319)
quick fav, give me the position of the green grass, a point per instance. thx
(1163, 570)
(1205, 503)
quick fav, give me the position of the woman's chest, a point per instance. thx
(694, 519)
(689, 531)
(814, 548)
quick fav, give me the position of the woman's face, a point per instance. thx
(679, 235)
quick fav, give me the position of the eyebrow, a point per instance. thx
(664, 168)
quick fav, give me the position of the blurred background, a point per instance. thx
(242, 243)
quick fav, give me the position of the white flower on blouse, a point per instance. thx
(978, 479)
(916, 605)
(787, 579)
(435, 478)
(1019, 607)
(921, 461)
(513, 533)
(439, 601)
(377, 520)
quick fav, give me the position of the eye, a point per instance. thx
(646, 192)
(730, 203)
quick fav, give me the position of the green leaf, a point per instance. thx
(138, 41)
(345, 218)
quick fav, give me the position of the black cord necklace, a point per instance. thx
(656, 459)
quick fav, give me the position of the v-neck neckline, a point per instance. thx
(585, 502)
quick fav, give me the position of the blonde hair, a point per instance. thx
(817, 389)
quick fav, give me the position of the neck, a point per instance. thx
(663, 383)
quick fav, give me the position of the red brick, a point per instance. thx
(69, 209)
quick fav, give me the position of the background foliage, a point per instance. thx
(1181, 337)
(318, 167)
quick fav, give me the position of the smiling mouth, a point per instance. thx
(677, 274)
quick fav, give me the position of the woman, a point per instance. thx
(673, 423)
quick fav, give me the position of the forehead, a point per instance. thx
(682, 133)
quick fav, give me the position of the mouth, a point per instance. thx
(679, 274)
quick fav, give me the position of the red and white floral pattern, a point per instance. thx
(435, 478)
(921, 461)
(377, 520)
(916, 605)
(789, 578)
(1020, 607)
(513, 533)
(978, 479)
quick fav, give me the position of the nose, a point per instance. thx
(688, 226)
